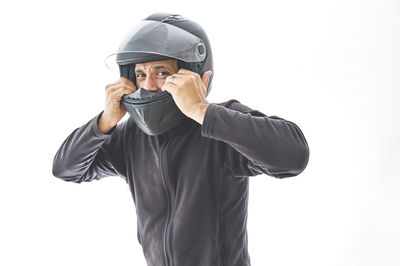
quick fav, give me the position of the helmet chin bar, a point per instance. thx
(153, 116)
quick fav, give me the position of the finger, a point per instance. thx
(117, 94)
(113, 87)
(169, 87)
(122, 80)
(125, 79)
(185, 71)
(120, 92)
(169, 79)
(116, 86)
(179, 73)
(128, 90)
(173, 79)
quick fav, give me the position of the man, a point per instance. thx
(186, 161)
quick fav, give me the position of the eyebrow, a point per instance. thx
(155, 68)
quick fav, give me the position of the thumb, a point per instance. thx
(206, 78)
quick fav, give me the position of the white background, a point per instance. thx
(332, 67)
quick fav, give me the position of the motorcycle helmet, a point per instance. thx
(161, 36)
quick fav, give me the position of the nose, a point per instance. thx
(152, 84)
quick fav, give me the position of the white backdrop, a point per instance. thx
(332, 67)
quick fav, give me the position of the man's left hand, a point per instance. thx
(189, 92)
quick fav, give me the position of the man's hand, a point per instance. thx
(114, 110)
(189, 92)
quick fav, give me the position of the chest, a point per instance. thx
(179, 162)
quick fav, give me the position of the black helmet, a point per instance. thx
(161, 36)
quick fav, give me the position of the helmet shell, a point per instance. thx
(163, 36)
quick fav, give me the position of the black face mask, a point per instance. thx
(153, 112)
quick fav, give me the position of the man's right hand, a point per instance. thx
(114, 109)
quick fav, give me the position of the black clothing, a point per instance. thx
(190, 184)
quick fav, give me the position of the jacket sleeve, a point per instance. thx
(257, 144)
(89, 154)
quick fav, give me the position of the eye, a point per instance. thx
(140, 75)
(163, 73)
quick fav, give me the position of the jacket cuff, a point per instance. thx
(208, 122)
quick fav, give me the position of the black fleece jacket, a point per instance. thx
(190, 184)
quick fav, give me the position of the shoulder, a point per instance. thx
(235, 105)
(242, 108)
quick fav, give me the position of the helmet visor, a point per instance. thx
(154, 40)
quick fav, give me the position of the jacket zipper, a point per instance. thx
(168, 189)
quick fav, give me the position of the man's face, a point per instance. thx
(151, 75)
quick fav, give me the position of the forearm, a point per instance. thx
(273, 143)
(77, 153)
(103, 125)
(199, 113)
